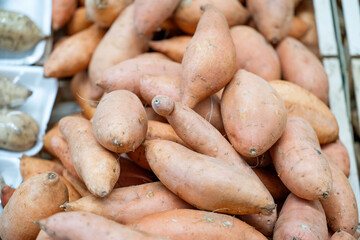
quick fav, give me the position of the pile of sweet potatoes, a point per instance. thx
(186, 130)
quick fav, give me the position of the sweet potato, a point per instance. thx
(104, 13)
(149, 15)
(174, 47)
(80, 88)
(254, 54)
(337, 152)
(128, 204)
(341, 207)
(73, 194)
(263, 160)
(78, 22)
(153, 55)
(38, 197)
(342, 235)
(119, 43)
(299, 162)
(31, 166)
(253, 113)
(127, 74)
(262, 223)
(187, 224)
(273, 18)
(54, 131)
(120, 122)
(298, 28)
(152, 115)
(301, 219)
(302, 67)
(43, 236)
(203, 181)
(76, 183)
(88, 155)
(84, 225)
(188, 13)
(62, 10)
(300, 102)
(73, 54)
(6, 193)
(210, 59)
(357, 234)
(272, 182)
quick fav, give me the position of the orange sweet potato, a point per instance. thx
(88, 155)
(272, 182)
(273, 18)
(43, 236)
(128, 204)
(338, 153)
(187, 224)
(62, 10)
(210, 59)
(254, 54)
(38, 197)
(78, 22)
(342, 235)
(73, 194)
(31, 166)
(299, 162)
(76, 183)
(54, 131)
(253, 113)
(262, 223)
(174, 47)
(6, 193)
(152, 115)
(298, 28)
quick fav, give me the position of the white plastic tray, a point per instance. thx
(40, 13)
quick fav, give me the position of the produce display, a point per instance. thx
(200, 119)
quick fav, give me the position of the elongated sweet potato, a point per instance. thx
(104, 13)
(38, 197)
(149, 15)
(298, 28)
(73, 194)
(273, 18)
(128, 204)
(299, 162)
(84, 225)
(203, 181)
(78, 22)
(174, 47)
(342, 235)
(76, 183)
(31, 166)
(54, 131)
(210, 59)
(120, 121)
(341, 207)
(188, 14)
(255, 54)
(253, 113)
(272, 182)
(302, 67)
(262, 223)
(338, 153)
(187, 224)
(302, 103)
(62, 10)
(119, 43)
(88, 155)
(301, 219)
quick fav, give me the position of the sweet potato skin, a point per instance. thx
(78, 22)
(262, 223)
(338, 153)
(54, 131)
(62, 10)
(342, 235)
(6, 193)
(272, 182)
(299, 162)
(253, 113)
(298, 28)
(31, 166)
(174, 47)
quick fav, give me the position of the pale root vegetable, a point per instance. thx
(210, 59)
(81, 89)
(38, 197)
(203, 181)
(31, 166)
(255, 54)
(152, 115)
(76, 183)
(299, 162)
(12, 93)
(78, 22)
(188, 13)
(6, 193)
(188, 224)
(262, 223)
(73, 194)
(88, 155)
(253, 113)
(104, 13)
(120, 122)
(149, 15)
(263, 160)
(342, 235)
(138, 157)
(174, 47)
(62, 11)
(338, 154)
(301, 219)
(300, 66)
(302, 103)
(298, 28)
(128, 204)
(127, 74)
(84, 225)
(73, 54)
(272, 182)
(62, 151)
(54, 131)
(119, 44)
(273, 18)
(340, 207)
